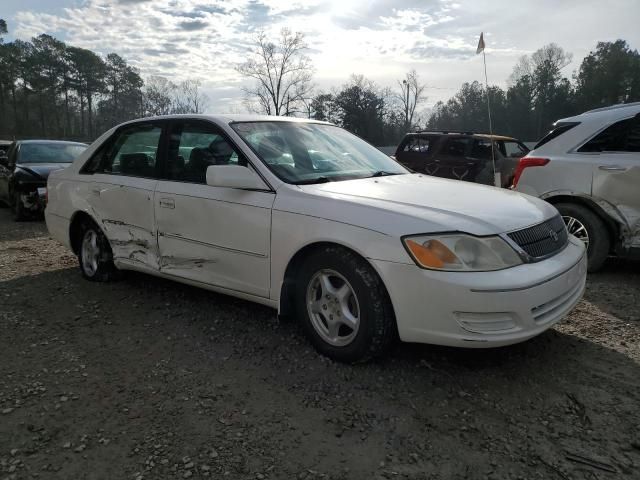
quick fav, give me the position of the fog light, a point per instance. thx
(492, 322)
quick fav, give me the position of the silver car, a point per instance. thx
(588, 166)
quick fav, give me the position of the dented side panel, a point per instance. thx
(616, 179)
(126, 213)
(217, 236)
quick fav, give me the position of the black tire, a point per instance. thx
(19, 213)
(599, 239)
(377, 329)
(105, 270)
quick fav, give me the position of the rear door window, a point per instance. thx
(457, 147)
(622, 136)
(512, 149)
(418, 145)
(131, 152)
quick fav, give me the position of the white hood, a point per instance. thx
(414, 203)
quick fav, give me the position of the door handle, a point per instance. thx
(612, 168)
(167, 203)
(95, 191)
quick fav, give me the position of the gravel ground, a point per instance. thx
(145, 378)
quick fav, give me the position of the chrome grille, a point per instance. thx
(542, 240)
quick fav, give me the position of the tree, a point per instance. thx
(158, 96)
(608, 75)
(3, 28)
(550, 92)
(282, 74)
(189, 98)
(410, 96)
(88, 78)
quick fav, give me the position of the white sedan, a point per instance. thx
(309, 219)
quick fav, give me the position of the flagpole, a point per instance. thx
(496, 179)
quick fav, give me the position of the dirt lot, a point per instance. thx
(145, 378)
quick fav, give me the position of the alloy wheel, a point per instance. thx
(90, 253)
(333, 307)
(576, 228)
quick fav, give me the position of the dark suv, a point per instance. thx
(461, 155)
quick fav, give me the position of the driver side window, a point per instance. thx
(194, 147)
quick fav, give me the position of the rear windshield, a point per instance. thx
(558, 129)
(50, 152)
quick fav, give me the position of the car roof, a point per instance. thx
(44, 142)
(462, 133)
(230, 118)
(587, 125)
(610, 113)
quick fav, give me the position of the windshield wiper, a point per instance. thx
(311, 181)
(383, 173)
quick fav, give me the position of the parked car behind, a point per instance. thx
(24, 172)
(461, 155)
(588, 167)
(307, 218)
(4, 147)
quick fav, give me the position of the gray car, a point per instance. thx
(588, 166)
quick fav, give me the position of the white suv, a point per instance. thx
(590, 171)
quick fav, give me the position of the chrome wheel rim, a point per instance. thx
(333, 308)
(576, 228)
(90, 253)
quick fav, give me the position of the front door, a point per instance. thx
(213, 235)
(121, 190)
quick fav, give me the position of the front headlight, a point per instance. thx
(459, 252)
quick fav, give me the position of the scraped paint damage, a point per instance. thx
(622, 191)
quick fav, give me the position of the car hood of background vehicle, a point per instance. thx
(417, 203)
(41, 170)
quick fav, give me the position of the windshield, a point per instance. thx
(313, 153)
(50, 152)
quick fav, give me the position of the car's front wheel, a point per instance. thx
(587, 227)
(343, 306)
(95, 255)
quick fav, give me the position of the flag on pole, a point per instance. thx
(480, 44)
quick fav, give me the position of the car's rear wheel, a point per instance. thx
(587, 227)
(95, 255)
(343, 306)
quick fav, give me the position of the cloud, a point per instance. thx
(191, 25)
(381, 39)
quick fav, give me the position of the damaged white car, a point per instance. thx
(309, 219)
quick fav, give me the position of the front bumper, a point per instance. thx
(485, 309)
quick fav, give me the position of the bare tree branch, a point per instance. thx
(282, 74)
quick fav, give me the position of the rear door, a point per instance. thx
(615, 159)
(213, 235)
(451, 159)
(121, 189)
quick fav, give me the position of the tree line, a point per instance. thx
(538, 92)
(54, 90)
(51, 89)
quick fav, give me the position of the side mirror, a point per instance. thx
(234, 176)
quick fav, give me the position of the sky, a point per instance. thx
(381, 39)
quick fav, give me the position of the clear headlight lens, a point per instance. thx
(461, 253)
